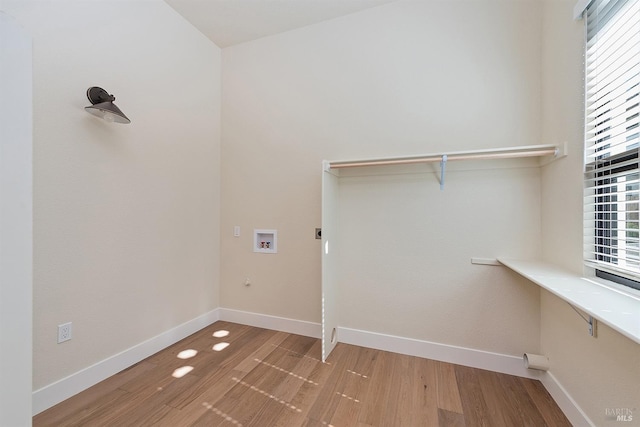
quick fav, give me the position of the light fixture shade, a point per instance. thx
(103, 106)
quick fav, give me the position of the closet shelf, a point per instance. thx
(550, 152)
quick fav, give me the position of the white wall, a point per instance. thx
(16, 232)
(405, 78)
(406, 248)
(604, 372)
(126, 217)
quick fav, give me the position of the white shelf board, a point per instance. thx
(614, 308)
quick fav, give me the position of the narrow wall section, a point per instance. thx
(16, 214)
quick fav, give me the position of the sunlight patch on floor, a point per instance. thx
(264, 393)
(299, 354)
(286, 372)
(217, 411)
(187, 354)
(356, 373)
(181, 372)
(347, 397)
(220, 346)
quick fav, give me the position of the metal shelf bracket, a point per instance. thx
(591, 322)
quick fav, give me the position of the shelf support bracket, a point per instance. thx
(443, 164)
(591, 322)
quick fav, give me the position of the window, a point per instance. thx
(612, 138)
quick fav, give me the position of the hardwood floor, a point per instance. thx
(266, 378)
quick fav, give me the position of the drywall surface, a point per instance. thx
(16, 230)
(405, 250)
(601, 374)
(404, 78)
(126, 217)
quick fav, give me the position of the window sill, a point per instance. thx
(616, 309)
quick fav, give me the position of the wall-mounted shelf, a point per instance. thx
(545, 154)
(265, 241)
(614, 308)
(550, 152)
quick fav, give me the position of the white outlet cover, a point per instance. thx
(64, 332)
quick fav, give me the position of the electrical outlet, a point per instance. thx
(318, 233)
(64, 332)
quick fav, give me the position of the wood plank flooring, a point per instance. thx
(266, 378)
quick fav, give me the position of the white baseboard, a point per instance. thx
(495, 362)
(565, 402)
(291, 326)
(58, 391)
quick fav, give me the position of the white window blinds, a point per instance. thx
(612, 137)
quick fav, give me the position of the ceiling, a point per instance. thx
(230, 22)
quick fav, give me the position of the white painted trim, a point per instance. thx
(58, 391)
(292, 326)
(579, 8)
(16, 222)
(480, 359)
(496, 362)
(565, 402)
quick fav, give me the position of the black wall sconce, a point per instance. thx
(103, 106)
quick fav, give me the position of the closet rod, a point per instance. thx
(516, 152)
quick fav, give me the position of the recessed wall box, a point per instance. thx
(265, 241)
